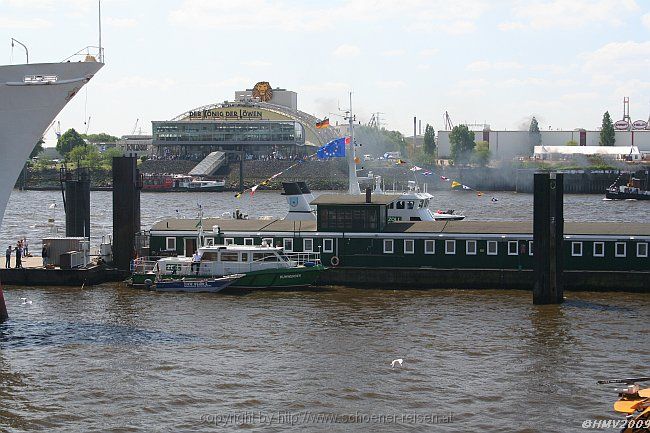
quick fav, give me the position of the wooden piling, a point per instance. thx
(126, 210)
(548, 237)
(4, 316)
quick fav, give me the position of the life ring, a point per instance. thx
(334, 261)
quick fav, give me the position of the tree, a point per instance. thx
(481, 154)
(534, 136)
(462, 144)
(37, 149)
(68, 141)
(607, 134)
(429, 140)
(102, 137)
(87, 156)
(108, 155)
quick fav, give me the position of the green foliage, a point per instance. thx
(462, 144)
(607, 134)
(102, 137)
(571, 143)
(68, 141)
(108, 155)
(481, 154)
(429, 140)
(86, 156)
(37, 149)
(534, 136)
(423, 158)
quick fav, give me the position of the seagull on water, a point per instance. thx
(26, 301)
(395, 362)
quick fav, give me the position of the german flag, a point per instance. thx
(323, 123)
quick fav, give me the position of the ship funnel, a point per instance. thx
(298, 197)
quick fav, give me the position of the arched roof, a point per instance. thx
(313, 136)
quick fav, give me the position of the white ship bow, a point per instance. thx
(31, 96)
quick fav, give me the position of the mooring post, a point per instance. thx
(77, 203)
(241, 170)
(548, 238)
(3, 307)
(126, 210)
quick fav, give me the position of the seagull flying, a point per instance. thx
(26, 301)
(395, 362)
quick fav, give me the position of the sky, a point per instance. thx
(498, 62)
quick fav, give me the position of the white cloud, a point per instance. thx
(256, 64)
(645, 19)
(121, 22)
(33, 23)
(513, 25)
(472, 87)
(51, 4)
(618, 58)
(139, 82)
(458, 27)
(485, 65)
(392, 53)
(429, 52)
(395, 84)
(346, 50)
(567, 14)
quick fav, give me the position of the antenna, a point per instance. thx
(101, 54)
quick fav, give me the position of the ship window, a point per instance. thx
(410, 204)
(229, 257)
(209, 242)
(512, 248)
(230, 241)
(267, 242)
(391, 206)
(209, 256)
(409, 246)
(576, 249)
(328, 245)
(450, 247)
(308, 245)
(642, 249)
(470, 248)
(249, 241)
(388, 246)
(429, 246)
(620, 249)
(171, 243)
(244, 257)
(288, 244)
(492, 248)
(399, 205)
(599, 249)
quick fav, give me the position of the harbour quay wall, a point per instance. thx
(61, 277)
(497, 279)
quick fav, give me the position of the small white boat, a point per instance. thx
(206, 285)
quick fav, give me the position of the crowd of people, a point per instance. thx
(21, 250)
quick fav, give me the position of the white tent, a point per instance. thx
(620, 152)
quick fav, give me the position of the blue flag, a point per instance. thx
(333, 149)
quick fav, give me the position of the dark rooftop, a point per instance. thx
(345, 199)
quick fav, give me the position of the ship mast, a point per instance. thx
(353, 188)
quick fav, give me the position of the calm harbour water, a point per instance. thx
(114, 359)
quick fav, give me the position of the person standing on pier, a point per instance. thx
(25, 247)
(8, 257)
(19, 256)
(44, 254)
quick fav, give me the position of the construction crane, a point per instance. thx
(135, 127)
(374, 121)
(87, 125)
(447, 120)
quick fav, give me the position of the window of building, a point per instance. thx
(308, 245)
(512, 248)
(621, 249)
(576, 249)
(244, 257)
(450, 247)
(429, 246)
(249, 241)
(409, 246)
(288, 244)
(267, 242)
(492, 248)
(642, 249)
(530, 248)
(328, 245)
(209, 242)
(470, 248)
(230, 241)
(170, 244)
(355, 218)
(599, 249)
(388, 246)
